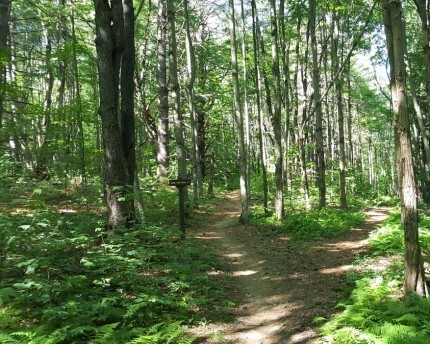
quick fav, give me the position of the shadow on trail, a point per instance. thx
(279, 286)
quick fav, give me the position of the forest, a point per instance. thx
(221, 171)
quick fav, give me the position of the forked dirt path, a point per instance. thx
(278, 286)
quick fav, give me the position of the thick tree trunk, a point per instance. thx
(276, 120)
(317, 108)
(162, 92)
(109, 51)
(414, 278)
(244, 217)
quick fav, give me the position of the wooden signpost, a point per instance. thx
(181, 184)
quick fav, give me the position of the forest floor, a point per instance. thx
(278, 285)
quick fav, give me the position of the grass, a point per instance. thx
(66, 280)
(375, 310)
(313, 224)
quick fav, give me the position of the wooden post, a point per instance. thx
(181, 184)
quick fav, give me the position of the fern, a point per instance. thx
(8, 339)
(105, 334)
(161, 334)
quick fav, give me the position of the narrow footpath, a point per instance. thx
(278, 286)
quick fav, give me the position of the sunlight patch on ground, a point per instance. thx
(346, 245)
(296, 275)
(303, 337)
(244, 273)
(68, 211)
(208, 238)
(215, 273)
(335, 270)
(264, 322)
(233, 255)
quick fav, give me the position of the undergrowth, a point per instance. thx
(66, 280)
(324, 223)
(375, 311)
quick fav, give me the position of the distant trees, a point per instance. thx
(282, 105)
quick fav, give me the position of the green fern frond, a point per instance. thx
(173, 333)
(8, 339)
(104, 333)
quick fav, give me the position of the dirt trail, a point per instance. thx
(278, 287)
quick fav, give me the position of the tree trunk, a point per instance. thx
(162, 92)
(77, 86)
(340, 113)
(191, 66)
(423, 9)
(425, 141)
(259, 107)
(414, 278)
(244, 217)
(127, 91)
(276, 120)
(109, 31)
(317, 108)
(44, 155)
(175, 89)
(5, 6)
(245, 96)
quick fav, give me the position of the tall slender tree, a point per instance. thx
(337, 50)
(316, 81)
(414, 277)
(175, 91)
(191, 68)
(4, 30)
(259, 106)
(276, 120)
(162, 92)
(244, 217)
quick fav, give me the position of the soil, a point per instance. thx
(278, 286)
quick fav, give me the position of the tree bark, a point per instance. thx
(317, 108)
(259, 107)
(245, 96)
(162, 92)
(414, 277)
(175, 89)
(340, 113)
(5, 6)
(77, 86)
(244, 217)
(127, 90)
(191, 66)
(423, 9)
(276, 120)
(109, 15)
